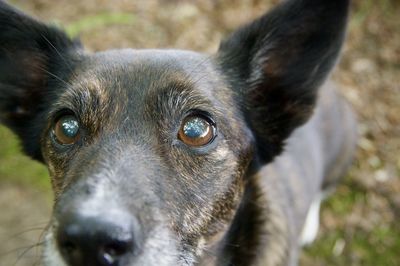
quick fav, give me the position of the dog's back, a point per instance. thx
(315, 157)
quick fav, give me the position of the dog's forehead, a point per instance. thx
(132, 75)
(119, 84)
(139, 65)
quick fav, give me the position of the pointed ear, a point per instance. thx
(32, 55)
(277, 63)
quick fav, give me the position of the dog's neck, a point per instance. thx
(240, 246)
(249, 239)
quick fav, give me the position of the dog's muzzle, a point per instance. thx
(98, 240)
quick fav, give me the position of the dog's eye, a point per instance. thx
(197, 130)
(66, 130)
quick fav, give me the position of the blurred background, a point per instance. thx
(360, 222)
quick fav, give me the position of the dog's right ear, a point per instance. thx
(276, 64)
(32, 57)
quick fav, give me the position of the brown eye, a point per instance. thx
(66, 130)
(196, 131)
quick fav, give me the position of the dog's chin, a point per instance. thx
(51, 255)
(159, 250)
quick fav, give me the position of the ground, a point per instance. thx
(359, 221)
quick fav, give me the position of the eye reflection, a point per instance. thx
(196, 131)
(196, 128)
(66, 130)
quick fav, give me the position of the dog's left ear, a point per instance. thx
(276, 64)
(33, 57)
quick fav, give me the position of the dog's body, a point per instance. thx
(162, 157)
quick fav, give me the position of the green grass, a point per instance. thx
(17, 168)
(378, 245)
(88, 23)
(365, 7)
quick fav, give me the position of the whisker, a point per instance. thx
(60, 55)
(40, 241)
(27, 249)
(57, 51)
(57, 77)
(28, 230)
(19, 248)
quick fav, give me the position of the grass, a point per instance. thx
(364, 9)
(368, 250)
(92, 22)
(17, 168)
(351, 243)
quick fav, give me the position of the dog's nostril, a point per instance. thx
(117, 248)
(112, 251)
(69, 247)
(70, 250)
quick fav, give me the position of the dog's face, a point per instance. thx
(148, 135)
(150, 151)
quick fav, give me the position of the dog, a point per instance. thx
(171, 157)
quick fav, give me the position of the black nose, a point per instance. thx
(96, 240)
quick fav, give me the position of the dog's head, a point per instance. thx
(150, 151)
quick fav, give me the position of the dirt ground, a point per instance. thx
(24, 214)
(360, 222)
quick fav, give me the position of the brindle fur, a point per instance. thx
(241, 200)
